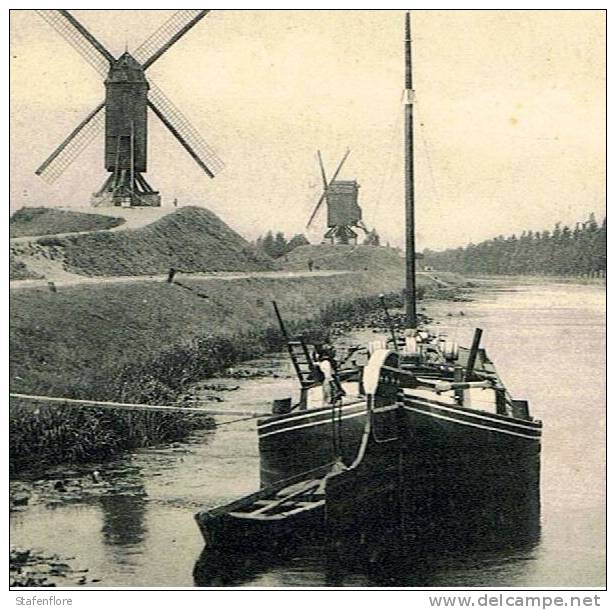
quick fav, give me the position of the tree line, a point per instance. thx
(277, 245)
(581, 251)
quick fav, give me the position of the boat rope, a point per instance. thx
(77, 403)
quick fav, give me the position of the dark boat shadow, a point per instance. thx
(484, 556)
(232, 568)
(487, 562)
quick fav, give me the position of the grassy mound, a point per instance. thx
(351, 258)
(49, 221)
(191, 239)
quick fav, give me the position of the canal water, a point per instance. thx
(135, 528)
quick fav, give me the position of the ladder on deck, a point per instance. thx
(302, 363)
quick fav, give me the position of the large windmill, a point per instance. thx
(123, 114)
(343, 211)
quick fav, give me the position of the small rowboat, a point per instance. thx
(289, 509)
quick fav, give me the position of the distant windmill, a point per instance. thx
(343, 211)
(124, 120)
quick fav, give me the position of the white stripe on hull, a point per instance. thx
(471, 424)
(326, 410)
(472, 414)
(328, 420)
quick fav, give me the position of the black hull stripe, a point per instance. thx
(326, 411)
(471, 424)
(411, 400)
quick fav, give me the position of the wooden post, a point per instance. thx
(388, 320)
(501, 401)
(472, 357)
(457, 377)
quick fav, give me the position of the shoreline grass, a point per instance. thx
(44, 436)
(147, 343)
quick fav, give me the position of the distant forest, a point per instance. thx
(581, 251)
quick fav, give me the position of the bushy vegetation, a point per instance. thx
(278, 245)
(354, 312)
(578, 252)
(48, 221)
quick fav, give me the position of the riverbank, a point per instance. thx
(147, 342)
(136, 528)
(143, 342)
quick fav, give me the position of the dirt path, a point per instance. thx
(82, 280)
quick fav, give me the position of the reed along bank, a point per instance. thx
(146, 342)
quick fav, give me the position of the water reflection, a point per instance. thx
(123, 519)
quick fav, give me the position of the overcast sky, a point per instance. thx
(510, 115)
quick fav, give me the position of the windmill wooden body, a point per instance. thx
(123, 115)
(343, 210)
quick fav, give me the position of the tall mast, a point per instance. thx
(409, 199)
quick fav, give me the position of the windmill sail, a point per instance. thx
(123, 114)
(326, 185)
(79, 38)
(77, 141)
(184, 132)
(167, 35)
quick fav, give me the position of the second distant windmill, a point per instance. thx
(123, 112)
(343, 211)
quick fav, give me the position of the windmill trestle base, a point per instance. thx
(126, 190)
(109, 200)
(341, 235)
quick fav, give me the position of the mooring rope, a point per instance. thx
(128, 406)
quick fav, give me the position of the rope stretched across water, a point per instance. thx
(128, 406)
